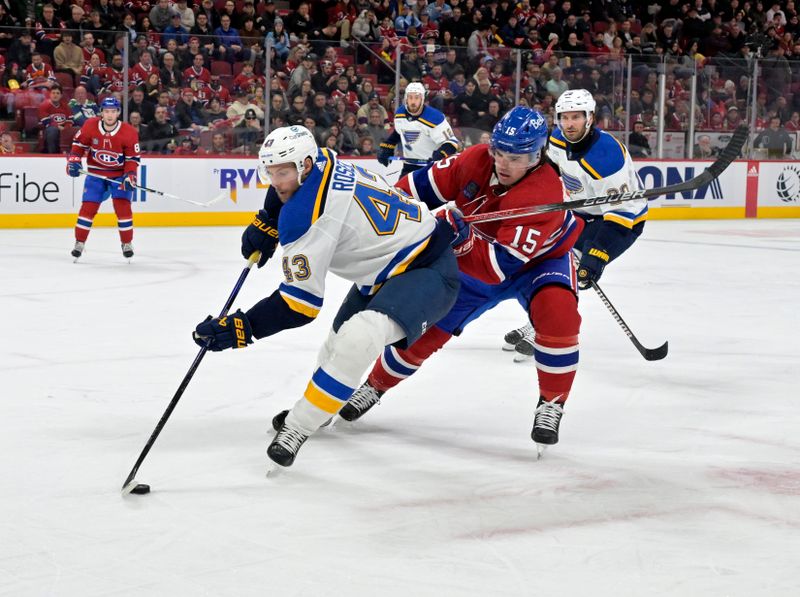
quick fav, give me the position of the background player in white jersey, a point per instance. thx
(591, 163)
(339, 217)
(423, 132)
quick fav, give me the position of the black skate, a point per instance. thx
(77, 250)
(277, 420)
(127, 250)
(363, 399)
(523, 350)
(546, 423)
(513, 337)
(521, 342)
(286, 444)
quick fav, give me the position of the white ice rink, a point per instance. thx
(678, 477)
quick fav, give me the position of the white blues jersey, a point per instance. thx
(602, 166)
(349, 221)
(422, 135)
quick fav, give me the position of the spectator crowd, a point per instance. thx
(214, 76)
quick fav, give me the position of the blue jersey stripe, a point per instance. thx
(556, 360)
(396, 365)
(328, 384)
(301, 294)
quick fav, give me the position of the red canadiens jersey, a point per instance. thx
(505, 247)
(202, 74)
(113, 80)
(110, 153)
(52, 115)
(140, 73)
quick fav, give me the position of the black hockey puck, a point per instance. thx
(141, 489)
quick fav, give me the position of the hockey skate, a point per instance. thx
(545, 424)
(77, 250)
(127, 250)
(277, 420)
(363, 399)
(285, 445)
(521, 342)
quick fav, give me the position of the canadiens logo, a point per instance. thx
(108, 157)
(410, 136)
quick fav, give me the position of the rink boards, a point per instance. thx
(35, 191)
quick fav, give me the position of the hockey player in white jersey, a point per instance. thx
(337, 217)
(423, 132)
(591, 163)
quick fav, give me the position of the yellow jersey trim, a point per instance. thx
(322, 400)
(299, 307)
(319, 203)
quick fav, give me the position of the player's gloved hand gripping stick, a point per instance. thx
(131, 485)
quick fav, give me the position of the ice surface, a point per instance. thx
(678, 477)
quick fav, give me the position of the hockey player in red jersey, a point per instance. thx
(525, 258)
(112, 149)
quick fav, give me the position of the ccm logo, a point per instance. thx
(107, 157)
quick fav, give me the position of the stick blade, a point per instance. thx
(129, 487)
(656, 354)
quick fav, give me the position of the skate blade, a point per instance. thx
(274, 470)
(522, 358)
(540, 450)
(508, 347)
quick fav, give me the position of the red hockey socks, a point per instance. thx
(555, 318)
(122, 207)
(396, 364)
(85, 218)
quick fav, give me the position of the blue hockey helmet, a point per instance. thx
(520, 131)
(110, 103)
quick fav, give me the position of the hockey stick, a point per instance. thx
(650, 354)
(131, 484)
(155, 191)
(730, 153)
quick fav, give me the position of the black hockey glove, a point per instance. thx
(260, 235)
(219, 333)
(386, 153)
(591, 265)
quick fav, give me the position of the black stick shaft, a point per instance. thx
(650, 354)
(189, 374)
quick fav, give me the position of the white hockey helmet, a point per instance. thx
(416, 87)
(288, 144)
(577, 100)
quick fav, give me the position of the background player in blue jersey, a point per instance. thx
(423, 132)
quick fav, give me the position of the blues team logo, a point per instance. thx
(410, 136)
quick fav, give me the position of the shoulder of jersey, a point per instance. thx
(431, 117)
(543, 184)
(556, 139)
(401, 111)
(91, 122)
(308, 203)
(605, 157)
